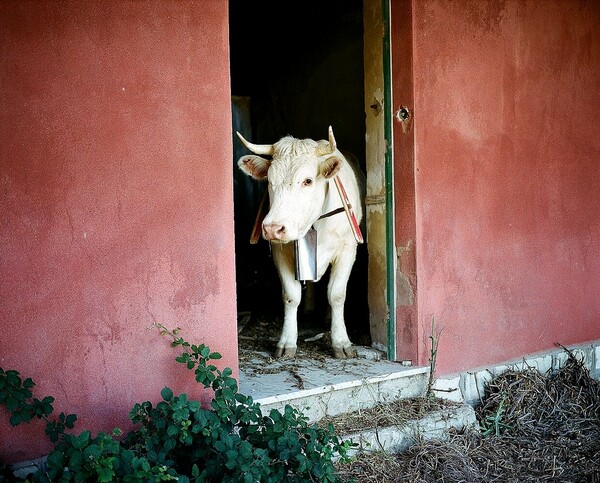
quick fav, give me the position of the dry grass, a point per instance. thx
(395, 413)
(536, 427)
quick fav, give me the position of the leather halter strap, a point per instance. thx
(332, 212)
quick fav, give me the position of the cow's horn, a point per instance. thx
(323, 150)
(257, 148)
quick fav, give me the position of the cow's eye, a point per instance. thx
(307, 182)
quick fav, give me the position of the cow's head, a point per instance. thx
(298, 174)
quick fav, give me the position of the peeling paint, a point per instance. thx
(379, 311)
(404, 290)
(375, 156)
(405, 274)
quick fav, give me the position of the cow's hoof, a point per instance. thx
(345, 353)
(285, 353)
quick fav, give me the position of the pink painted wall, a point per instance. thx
(507, 182)
(116, 201)
(402, 75)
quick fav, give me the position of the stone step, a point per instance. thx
(397, 438)
(329, 387)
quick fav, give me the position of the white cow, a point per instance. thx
(300, 183)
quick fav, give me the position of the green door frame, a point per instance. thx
(389, 183)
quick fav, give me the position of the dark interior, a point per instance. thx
(296, 68)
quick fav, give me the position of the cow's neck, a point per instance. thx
(345, 208)
(328, 201)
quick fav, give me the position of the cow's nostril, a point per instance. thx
(273, 231)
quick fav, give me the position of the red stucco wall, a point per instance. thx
(402, 76)
(507, 152)
(116, 201)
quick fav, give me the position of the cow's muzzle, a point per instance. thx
(274, 231)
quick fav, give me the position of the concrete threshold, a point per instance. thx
(328, 387)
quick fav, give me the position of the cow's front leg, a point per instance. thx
(292, 295)
(336, 293)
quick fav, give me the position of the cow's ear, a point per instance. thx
(254, 166)
(330, 167)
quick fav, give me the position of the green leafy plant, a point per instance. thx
(16, 396)
(178, 439)
(492, 424)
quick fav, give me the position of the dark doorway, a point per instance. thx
(296, 68)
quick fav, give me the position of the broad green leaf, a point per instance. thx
(82, 440)
(15, 419)
(92, 452)
(172, 430)
(167, 394)
(105, 474)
